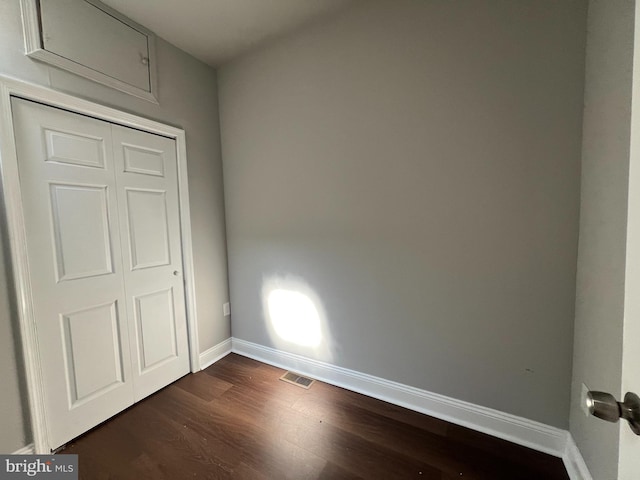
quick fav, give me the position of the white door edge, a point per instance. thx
(16, 228)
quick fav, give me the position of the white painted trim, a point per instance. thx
(15, 221)
(34, 49)
(30, 25)
(574, 462)
(512, 428)
(188, 275)
(215, 353)
(17, 241)
(26, 450)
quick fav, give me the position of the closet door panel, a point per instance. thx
(147, 185)
(148, 244)
(81, 231)
(73, 235)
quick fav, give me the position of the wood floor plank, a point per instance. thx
(401, 437)
(237, 420)
(204, 386)
(384, 409)
(257, 447)
(550, 467)
(359, 456)
(333, 472)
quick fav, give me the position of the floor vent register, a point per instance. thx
(297, 380)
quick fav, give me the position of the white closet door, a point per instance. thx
(146, 178)
(103, 240)
(73, 242)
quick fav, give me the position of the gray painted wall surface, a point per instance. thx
(597, 360)
(414, 168)
(187, 95)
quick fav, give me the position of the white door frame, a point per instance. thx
(10, 87)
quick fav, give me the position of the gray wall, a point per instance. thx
(187, 95)
(597, 359)
(414, 167)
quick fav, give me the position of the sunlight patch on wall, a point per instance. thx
(295, 317)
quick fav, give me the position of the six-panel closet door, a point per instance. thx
(146, 183)
(103, 236)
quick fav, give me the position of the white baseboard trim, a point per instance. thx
(521, 431)
(215, 353)
(573, 461)
(26, 450)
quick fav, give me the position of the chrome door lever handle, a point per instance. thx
(604, 406)
(630, 411)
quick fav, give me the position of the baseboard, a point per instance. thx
(521, 431)
(215, 353)
(27, 450)
(573, 461)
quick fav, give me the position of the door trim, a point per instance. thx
(11, 87)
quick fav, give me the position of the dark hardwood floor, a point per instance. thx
(237, 420)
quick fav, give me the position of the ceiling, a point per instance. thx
(215, 31)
